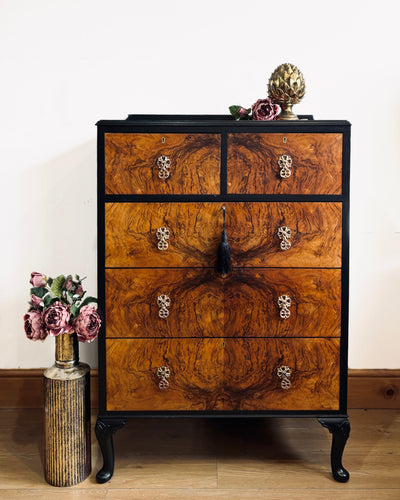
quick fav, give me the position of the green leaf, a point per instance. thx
(234, 111)
(47, 299)
(57, 286)
(88, 300)
(38, 291)
(74, 310)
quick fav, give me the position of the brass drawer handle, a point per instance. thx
(284, 302)
(162, 235)
(163, 302)
(285, 163)
(284, 373)
(163, 373)
(284, 234)
(164, 164)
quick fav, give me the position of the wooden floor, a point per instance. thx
(214, 459)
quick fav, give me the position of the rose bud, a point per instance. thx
(37, 279)
(36, 301)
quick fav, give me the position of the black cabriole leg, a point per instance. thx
(340, 430)
(105, 428)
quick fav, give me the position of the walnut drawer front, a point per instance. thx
(311, 163)
(154, 303)
(222, 374)
(194, 232)
(164, 303)
(162, 163)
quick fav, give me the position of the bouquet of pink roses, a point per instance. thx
(58, 306)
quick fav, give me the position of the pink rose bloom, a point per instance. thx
(264, 109)
(34, 327)
(69, 284)
(36, 301)
(79, 290)
(56, 319)
(37, 279)
(242, 112)
(87, 324)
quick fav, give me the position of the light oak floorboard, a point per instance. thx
(214, 459)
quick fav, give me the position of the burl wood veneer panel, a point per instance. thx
(251, 303)
(131, 239)
(222, 374)
(196, 298)
(316, 239)
(316, 163)
(131, 163)
(195, 230)
(196, 367)
(204, 304)
(251, 381)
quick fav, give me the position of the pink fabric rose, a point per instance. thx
(243, 112)
(37, 279)
(34, 327)
(264, 109)
(36, 301)
(69, 284)
(87, 324)
(56, 319)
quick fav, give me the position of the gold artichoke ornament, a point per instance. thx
(286, 87)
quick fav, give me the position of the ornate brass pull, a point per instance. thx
(285, 163)
(284, 234)
(284, 302)
(162, 235)
(164, 164)
(284, 373)
(163, 373)
(163, 302)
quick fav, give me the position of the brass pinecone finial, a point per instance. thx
(286, 87)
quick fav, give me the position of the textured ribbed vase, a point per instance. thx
(67, 415)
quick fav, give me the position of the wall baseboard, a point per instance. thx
(22, 388)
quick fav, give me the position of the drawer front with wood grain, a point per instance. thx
(265, 234)
(152, 303)
(162, 163)
(194, 381)
(285, 163)
(222, 374)
(282, 303)
(252, 380)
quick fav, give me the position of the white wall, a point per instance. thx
(67, 63)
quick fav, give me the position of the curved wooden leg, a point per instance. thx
(340, 430)
(105, 428)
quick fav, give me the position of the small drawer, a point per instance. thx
(222, 374)
(188, 234)
(285, 163)
(162, 163)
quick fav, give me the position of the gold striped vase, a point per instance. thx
(67, 415)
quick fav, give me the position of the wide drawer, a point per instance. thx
(162, 163)
(151, 303)
(222, 374)
(285, 163)
(266, 234)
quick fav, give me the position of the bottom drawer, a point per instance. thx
(223, 374)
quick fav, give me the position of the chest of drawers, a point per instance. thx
(178, 338)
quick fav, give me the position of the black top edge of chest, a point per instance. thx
(223, 123)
